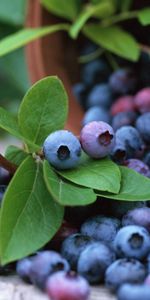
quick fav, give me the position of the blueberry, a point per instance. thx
(44, 264)
(23, 268)
(148, 263)
(94, 260)
(129, 140)
(138, 166)
(132, 242)
(67, 286)
(123, 119)
(2, 191)
(142, 100)
(62, 149)
(79, 91)
(138, 216)
(133, 292)
(4, 176)
(123, 81)
(143, 126)
(124, 271)
(72, 247)
(147, 280)
(96, 113)
(101, 228)
(100, 95)
(94, 72)
(97, 139)
(123, 104)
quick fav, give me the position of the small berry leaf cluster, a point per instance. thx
(79, 16)
(34, 202)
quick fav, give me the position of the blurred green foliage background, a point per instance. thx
(14, 80)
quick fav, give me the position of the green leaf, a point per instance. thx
(12, 12)
(114, 39)
(15, 155)
(134, 187)
(24, 36)
(103, 175)
(29, 216)
(101, 9)
(144, 16)
(43, 110)
(64, 192)
(65, 9)
(124, 5)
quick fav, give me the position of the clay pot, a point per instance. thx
(53, 55)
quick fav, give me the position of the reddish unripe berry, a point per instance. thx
(122, 104)
(142, 100)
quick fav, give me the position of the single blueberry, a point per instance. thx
(94, 260)
(123, 104)
(143, 126)
(101, 228)
(4, 176)
(123, 119)
(124, 271)
(123, 81)
(97, 139)
(23, 268)
(138, 166)
(128, 139)
(73, 246)
(132, 242)
(62, 149)
(67, 286)
(100, 95)
(94, 72)
(142, 100)
(44, 264)
(96, 113)
(79, 91)
(138, 216)
(134, 292)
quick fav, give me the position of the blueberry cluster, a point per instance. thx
(104, 249)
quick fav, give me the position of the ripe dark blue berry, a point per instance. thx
(134, 292)
(96, 113)
(23, 268)
(94, 260)
(142, 124)
(123, 119)
(124, 271)
(138, 216)
(94, 72)
(62, 149)
(132, 242)
(100, 95)
(97, 139)
(123, 81)
(44, 264)
(67, 286)
(101, 228)
(79, 91)
(73, 246)
(4, 176)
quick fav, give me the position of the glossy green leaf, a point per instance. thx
(101, 9)
(114, 39)
(15, 155)
(24, 36)
(134, 187)
(65, 9)
(144, 16)
(43, 110)
(13, 11)
(29, 216)
(103, 175)
(64, 192)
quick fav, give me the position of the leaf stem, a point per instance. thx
(7, 165)
(83, 59)
(120, 17)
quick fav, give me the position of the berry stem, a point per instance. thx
(7, 165)
(119, 18)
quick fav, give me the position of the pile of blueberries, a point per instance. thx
(107, 242)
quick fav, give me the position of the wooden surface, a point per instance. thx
(12, 288)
